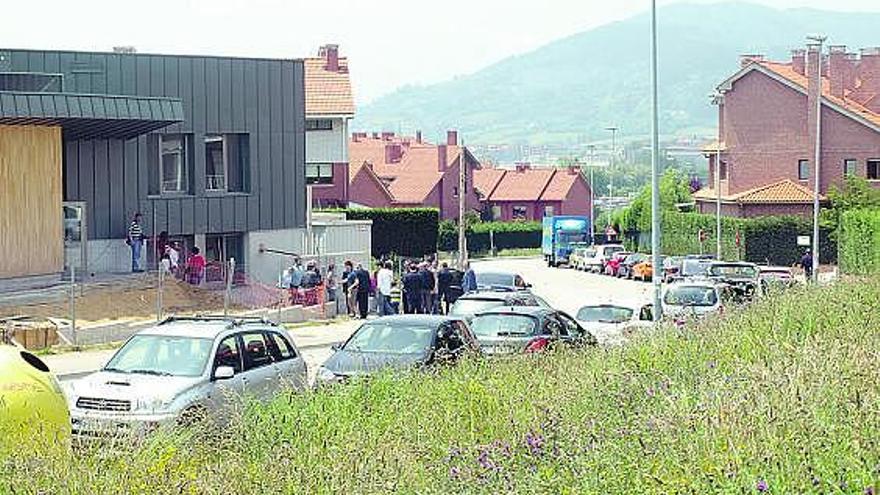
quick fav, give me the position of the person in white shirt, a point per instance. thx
(173, 256)
(384, 281)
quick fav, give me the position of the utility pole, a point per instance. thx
(718, 99)
(613, 130)
(820, 41)
(462, 183)
(655, 172)
(592, 149)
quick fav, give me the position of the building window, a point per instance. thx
(227, 162)
(31, 82)
(519, 212)
(319, 125)
(454, 191)
(496, 213)
(849, 167)
(873, 169)
(219, 249)
(548, 211)
(722, 171)
(173, 162)
(319, 173)
(803, 169)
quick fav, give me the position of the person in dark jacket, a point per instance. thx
(428, 284)
(807, 264)
(362, 290)
(412, 290)
(444, 282)
(469, 281)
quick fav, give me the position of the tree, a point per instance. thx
(856, 193)
(674, 190)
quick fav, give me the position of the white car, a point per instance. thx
(182, 370)
(602, 253)
(692, 299)
(612, 322)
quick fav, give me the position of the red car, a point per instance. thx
(613, 264)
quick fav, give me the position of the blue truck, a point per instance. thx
(561, 233)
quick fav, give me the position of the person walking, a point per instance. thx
(362, 290)
(807, 264)
(412, 290)
(195, 266)
(348, 280)
(469, 280)
(135, 240)
(444, 282)
(384, 281)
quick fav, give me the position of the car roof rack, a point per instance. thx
(233, 320)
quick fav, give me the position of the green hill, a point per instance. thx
(571, 89)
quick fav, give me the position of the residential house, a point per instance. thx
(329, 108)
(767, 127)
(211, 150)
(528, 192)
(395, 171)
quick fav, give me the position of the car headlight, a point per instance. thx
(325, 375)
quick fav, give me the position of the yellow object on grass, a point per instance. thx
(33, 410)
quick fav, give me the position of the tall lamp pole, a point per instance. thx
(592, 149)
(613, 130)
(655, 172)
(820, 41)
(718, 99)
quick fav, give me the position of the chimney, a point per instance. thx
(814, 94)
(355, 137)
(799, 60)
(441, 158)
(452, 138)
(375, 135)
(393, 153)
(330, 54)
(839, 69)
(869, 75)
(419, 137)
(387, 136)
(573, 170)
(747, 59)
(521, 167)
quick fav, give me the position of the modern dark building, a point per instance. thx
(213, 153)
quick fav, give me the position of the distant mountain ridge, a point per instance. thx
(568, 91)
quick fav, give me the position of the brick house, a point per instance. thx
(531, 193)
(767, 122)
(329, 108)
(395, 171)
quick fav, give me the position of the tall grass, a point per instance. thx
(781, 397)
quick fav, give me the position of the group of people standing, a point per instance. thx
(426, 288)
(167, 252)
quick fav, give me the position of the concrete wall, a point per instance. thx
(265, 267)
(328, 146)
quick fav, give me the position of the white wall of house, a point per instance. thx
(328, 146)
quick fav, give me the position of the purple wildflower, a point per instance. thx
(484, 461)
(869, 490)
(535, 443)
(762, 486)
(454, 472)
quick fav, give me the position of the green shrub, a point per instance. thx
(400, 231)
(507, 235)
(859, 239)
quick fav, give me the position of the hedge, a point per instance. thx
(770, 240)
(400, 231)
(859, 238)
(508, 235)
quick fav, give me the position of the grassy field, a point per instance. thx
(783, 397)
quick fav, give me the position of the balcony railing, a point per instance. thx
(215, 182)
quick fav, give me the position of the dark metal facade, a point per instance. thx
(261, 98)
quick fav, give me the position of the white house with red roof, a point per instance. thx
(767, 128)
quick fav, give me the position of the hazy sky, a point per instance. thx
(390, 42)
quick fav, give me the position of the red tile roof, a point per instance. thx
(327, 92)
(782, 191)
(487, 179)
(525, 184)
(560, 185)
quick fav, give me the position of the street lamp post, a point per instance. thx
(613, 130)
(592, 149)
(820, 41)
(655, 172)
(718, 99)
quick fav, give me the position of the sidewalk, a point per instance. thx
(73, 364)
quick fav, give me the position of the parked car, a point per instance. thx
(692, 268)
(399, 342)
(741, 278)
(579, 256)
(495, 280)
(671, 267)
(775, 277)
(613, 263)
(644, 270)
(626, 266)
(476, 302)
(185, 369)
(692, 299)
(32, 405)
(604, 252)
(610, 322)
(526, 329)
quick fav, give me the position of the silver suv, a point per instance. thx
(185, 369)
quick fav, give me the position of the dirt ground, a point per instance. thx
(123, 300)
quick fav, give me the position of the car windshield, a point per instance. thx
(162, 355)
(391, 338)
(775, 274)
(738, 271)
(464, 307)
(609, 250)
(503, 325)
(494, 279)
(693, 268)
(605, 314)
(689, 295)
(590, 253)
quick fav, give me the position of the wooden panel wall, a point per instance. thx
(30, 201)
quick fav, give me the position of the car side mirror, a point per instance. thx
(528, 286)
(335, 347)
(224, 373)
